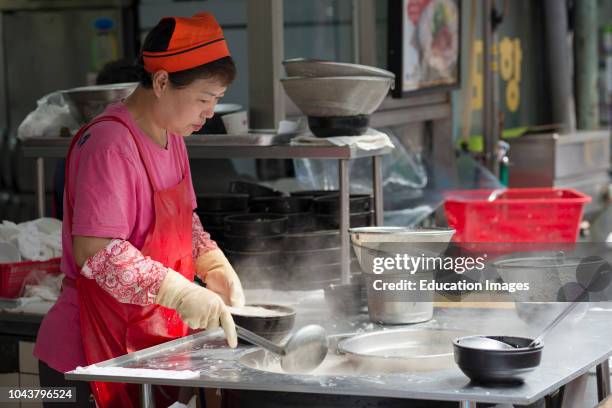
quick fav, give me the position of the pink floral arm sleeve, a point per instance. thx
(122, 270)
(202, 242)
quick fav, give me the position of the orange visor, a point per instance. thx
(195, 41)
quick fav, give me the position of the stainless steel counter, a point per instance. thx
(572, 349)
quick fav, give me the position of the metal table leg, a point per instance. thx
(146, 396)
(378, 191)
(467, 404)
(40, 186)
(603, 380)
(344, 221)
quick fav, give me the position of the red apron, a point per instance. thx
(110, 328)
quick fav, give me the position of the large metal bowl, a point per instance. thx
(87, 102)
(303, 67)
(337, 96)
(402, 350)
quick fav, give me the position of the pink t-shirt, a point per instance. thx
(112, 197)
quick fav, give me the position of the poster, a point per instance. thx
(424, 44)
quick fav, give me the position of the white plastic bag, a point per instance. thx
(37, 240)
(50, 116)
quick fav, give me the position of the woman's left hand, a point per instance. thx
(219, 275)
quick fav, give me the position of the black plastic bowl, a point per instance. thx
(329, 221)
(311, 257)
(283, 205)
(274, 328)
(216, 233)
(253, 259)
(239, 244)
(312, 240)
(498, 366)
(253, 225)
(330, 204)
(313, 193)
(330, 126)
(223, 202)
(216, 219)
(252, 189)
(300, 222)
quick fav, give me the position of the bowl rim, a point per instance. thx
(319, 233)
(538, 347)
(337, 78)
(572, 262)
(104, 87)
(343, 344)
(291, 312)
(250, 218)
(382, 230)
(381, 71)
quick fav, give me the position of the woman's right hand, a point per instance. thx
(198, 307)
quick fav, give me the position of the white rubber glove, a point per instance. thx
(199, 307)
(216, 271)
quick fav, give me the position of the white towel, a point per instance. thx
(371, 140)
(137, 372)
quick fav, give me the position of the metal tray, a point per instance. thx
(403, 350)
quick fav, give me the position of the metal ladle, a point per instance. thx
(303, 352)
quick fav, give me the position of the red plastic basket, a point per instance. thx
(515, 214)
(13, 275)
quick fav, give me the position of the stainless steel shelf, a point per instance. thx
(199, 148)
(204, 147)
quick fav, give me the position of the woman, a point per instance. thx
(131, 242)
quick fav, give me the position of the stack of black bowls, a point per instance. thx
(312, 256)
(296, 209)
(213, 208)
(281, 242)
(252, 189)
(253, 244)
(327, 210)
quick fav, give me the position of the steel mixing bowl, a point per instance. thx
(87, 102)
(337, 96)
(303, 67)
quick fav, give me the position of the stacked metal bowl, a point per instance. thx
(87, 102)
(338, 98)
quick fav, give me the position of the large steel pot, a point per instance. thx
(398, 307)
(402, 306)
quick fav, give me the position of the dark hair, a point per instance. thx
(223, 69)
(121, 70)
